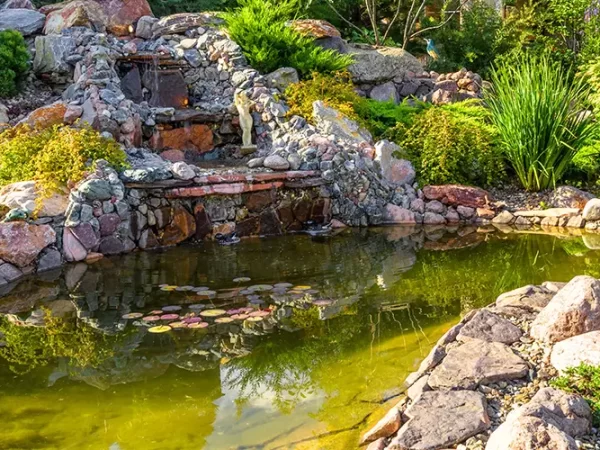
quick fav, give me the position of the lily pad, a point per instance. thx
(322, 302)
(246, 309)
(168, 288)
(241, 280)
(224, 320)
(255, 319)
(231, 312)
(198, 325)
(151, 319)
(169, 317)
(311, 291)
(159, 329)
(201, 288)
(213, 313)
(171, 308)
(178, 325)
(156, 312)
(206, 294)
(132, 316)
(302, 288)
(283, 285)
(260, 313)
(192, 320)
(260, 288)
(240, 316)
(197, 307)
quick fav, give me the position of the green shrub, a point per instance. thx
(585, 381)
(54, 156)
(337, 91)
(452, 144)
(537, 110)
(14, 61)
(259, 27)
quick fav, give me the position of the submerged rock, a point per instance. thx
(387, 426)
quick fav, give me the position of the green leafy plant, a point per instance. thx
(452, 144)
(54, 156)
(260, 28)
(585, 381)
(14, 61)
(538, 112)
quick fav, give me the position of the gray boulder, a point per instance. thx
(18, 4)
(385, 92)
(276, 162)
(591, 212)
(25, 21)
(282, 78)
(489, 327)
(331, 121)
(51, 52)
(375, 65)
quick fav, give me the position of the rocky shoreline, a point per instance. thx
(485, 384)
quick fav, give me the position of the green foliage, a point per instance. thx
(471, 42)
(259, 27)
(162, 8)
(54, 156)
(337, 91)
(586, 163)
(14, 61)
(452, 144)
(585, 381)
(538, 113)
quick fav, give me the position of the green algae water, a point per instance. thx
(315, 339)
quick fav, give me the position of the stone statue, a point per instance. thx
(243, 103)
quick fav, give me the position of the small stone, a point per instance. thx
(182, 171)
(387, 426)
(276, 162)
(591, 212)
(504, 218)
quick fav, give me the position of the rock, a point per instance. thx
(477, 362)
(569, 197)
(398, 171)
(24, 195)
(430, 218)
(112, 245)
(196, 137)
(504, 218)
(183, 171)
(256, 162)
(18, 4)
(51, 53)
(86, 235)
(591, 212)
(529, 433)
(453, 194)
(46, 116)
(387, 426)
(282, 78)
(276, 162)
(435, 207)
(489, 327)
(442, 419)
(180, 23)
(379, 444)
(21, 243)
(574, 351)
(9, 272)
(570, 413)
(25, 21)
(574, 310)
(49, 259)
(331, 121)
(78, 13)
(315, 28)
(465, 212)
(72, 248)
(394, 214)
(417, 389)
(376, 65)
(576, 222)
(385, 92)
(121, 14)
(530, 298)
(95, 189)
(144, 27)
(181, 228)
(108, 224)
(549, 213)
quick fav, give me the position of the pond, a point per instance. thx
(344, 320)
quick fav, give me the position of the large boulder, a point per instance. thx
(385, 92)
(25, 21)
(397, 215)
(46, 116)
(476, 362)
(21, 243)
(583, 349)
(24, 195)
(378, 65)
(591, 212)
(441, 419)
(574, 310)
(181, 227)
(78, 13)
(394, 170)
(324, 33)
(569, 197)
(529, 433)
(331, 121)
(455, 195)
(180, 23)
(18, 4)
(487, 326)
(51, 53)
(528, 298)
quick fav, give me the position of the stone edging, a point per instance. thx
(485, 383)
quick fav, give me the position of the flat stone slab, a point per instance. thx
(576, 350)
(530, 298)
(441, 419)
(489, 327)
(477, 362)
(552, 212)
(221, 189)
(256, 177)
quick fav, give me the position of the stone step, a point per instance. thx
(255, 177)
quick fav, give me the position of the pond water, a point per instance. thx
(319, 364)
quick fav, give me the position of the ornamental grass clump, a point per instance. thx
(54, 156)
(260, 28)
(538, 110)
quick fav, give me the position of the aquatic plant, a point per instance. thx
(540, 116)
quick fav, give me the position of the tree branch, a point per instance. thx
(389, 27)
(339, 14)
(417, 33)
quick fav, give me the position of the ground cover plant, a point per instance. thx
(540, 116)
(260, 28)
(585, 381)
(54, 156)
(14, 61)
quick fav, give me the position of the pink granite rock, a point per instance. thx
(21, 243)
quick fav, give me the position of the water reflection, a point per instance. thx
(311, 374)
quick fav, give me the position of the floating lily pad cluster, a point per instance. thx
(261, 301)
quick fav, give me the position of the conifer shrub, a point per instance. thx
(14, 61)
(54, 156)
